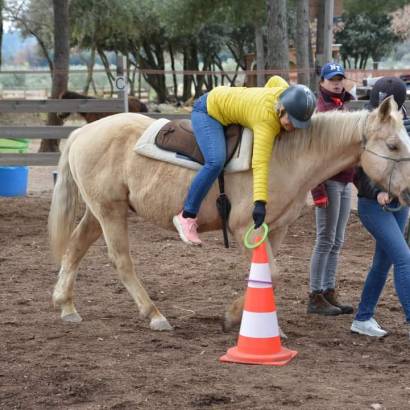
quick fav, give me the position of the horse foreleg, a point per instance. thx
(233, 314)
(275, 238)
(86, 233)
(115, 228)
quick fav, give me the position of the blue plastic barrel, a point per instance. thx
(13, 181)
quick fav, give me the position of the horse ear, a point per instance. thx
(386, 107)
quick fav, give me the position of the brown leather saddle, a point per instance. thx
(178, 136)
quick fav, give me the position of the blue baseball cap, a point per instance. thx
(330, 70)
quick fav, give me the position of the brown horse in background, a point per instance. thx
(134, 105)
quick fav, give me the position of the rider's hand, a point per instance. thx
(259, 213)
(383, 198)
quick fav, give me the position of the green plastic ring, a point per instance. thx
(256, 244)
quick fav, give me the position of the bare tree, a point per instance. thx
(260, 56)
(1, 28)
(60, 64)
(302, 41)
(277, 36)
(33, 19)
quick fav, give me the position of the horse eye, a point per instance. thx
(392, 146)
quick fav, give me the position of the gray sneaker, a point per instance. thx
(368, 327)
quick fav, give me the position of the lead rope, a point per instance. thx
(224, 208)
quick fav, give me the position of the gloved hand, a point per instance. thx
(406, 124)
(321, 202)
(259, 213)
(319, 195)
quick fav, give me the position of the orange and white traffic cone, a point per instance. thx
(259, 339)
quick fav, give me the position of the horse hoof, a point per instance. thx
(227, 324)
(72, 318)
(160, 323)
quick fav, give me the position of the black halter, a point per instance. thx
(395, 160)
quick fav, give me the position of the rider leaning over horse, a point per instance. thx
(266, 110)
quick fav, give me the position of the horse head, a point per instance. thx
(386, 154)
(70, 95)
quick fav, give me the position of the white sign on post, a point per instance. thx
(120, 83)
(122, 86)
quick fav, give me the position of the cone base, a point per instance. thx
(281, 358)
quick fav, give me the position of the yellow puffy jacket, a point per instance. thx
(254, 108)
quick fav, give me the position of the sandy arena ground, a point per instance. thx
(112, 360)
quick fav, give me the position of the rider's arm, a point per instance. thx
(264, 134)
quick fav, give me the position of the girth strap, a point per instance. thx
(224, 208)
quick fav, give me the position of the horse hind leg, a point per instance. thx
(85, 234)
(114, 224)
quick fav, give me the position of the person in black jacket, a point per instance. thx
(386, 227)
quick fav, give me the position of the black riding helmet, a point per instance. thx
(386, 86)
(299, 103)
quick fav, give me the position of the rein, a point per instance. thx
(395, 160)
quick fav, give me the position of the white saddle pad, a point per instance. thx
(241, 159)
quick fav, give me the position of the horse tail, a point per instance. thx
(64, 204)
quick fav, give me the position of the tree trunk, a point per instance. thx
(218, 62)
(106, 65)
(1, 28)
(320, 39)
(60, 64)
(174, 77)
(313, 84)
(133, 74)
(154, 59)
(90, 69)
(277, 36)
(187, 82)
(260, 56)
(302, 41)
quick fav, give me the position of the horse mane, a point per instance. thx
(327, 131)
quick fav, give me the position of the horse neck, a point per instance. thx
(330, 145)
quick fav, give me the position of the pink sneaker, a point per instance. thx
(186, 228)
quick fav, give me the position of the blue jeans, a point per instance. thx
(391, 249)
(210, 137)
(330, 229)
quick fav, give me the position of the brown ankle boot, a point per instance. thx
(330, 296)
(319, 305)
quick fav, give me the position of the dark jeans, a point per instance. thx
(210, 137)
(391, 249)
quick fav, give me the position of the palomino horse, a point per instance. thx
(134, 105)
(98, 162)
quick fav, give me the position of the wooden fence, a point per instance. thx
(59, 132)
(53, 132)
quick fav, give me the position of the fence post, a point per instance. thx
(121, 81)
